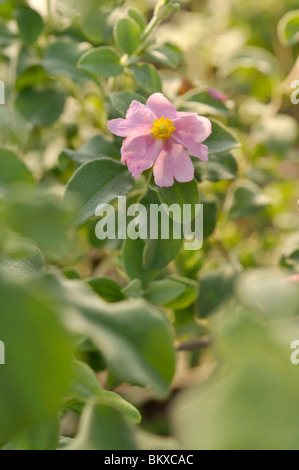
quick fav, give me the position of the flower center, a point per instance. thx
(163, 128)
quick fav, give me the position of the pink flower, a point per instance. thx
(294, 278)
(158, 135)
(217, 95)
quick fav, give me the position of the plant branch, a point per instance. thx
(195, 344)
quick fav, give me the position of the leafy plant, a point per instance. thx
(94, 329)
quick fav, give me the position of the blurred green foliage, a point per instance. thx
(94, 330)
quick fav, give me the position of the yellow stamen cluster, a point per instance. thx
(163, 128)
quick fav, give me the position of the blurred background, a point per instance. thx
(208, 365)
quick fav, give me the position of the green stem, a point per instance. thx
(150, 27)
(148, 30)
(111, 85)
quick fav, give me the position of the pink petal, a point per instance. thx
(293, 278)
(185, 113)
(191, 131)
(140, 152)
(120, 127)
(172, 163)
(160, 106)
(203, 152)
(138, 118)
(217, 95)
(139, 114)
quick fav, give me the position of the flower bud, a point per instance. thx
(164, 8)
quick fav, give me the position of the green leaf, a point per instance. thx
(158, 253)
(215, 288)
(103, 427)
(127, 35)
(221, 139)
(210, 212)
(218, 168)
(288, 28)
(290, 251)
(133, 289)
(148, 441)
(264, 290)
(76, 7)
(107, 289)
(138, 16)
(13, 127)
(40, 108)
(45, 436)
(6, 9)
(122, 100)
(187, 297)
(167, 54)
(278, 133)
(147, 77)
(12, 169)
(84, 382)
(64, 442)
(61, 58)
(85, 385)
(203, 103)
(180, 193)
(134, 337)
(164, 291)
(31, 77)
(133, 260)
(71, 273)
(97, 182)
(22, 268)
(40, 217)
(234, 408)
(25, 59)
(36, 373)
(103, 61)
(245, 199)
(6, 36)
(93, 17)
(250, 57)
(30, 23)
(116, 401)
(97, 146)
